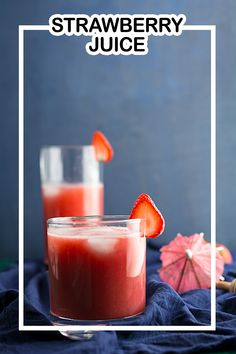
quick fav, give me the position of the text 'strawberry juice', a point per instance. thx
(71, 200)
(97, 269)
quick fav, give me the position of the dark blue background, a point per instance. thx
(155, 110)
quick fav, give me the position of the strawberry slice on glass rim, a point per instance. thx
(103, 149)
(145, 208)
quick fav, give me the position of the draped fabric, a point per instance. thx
(164, 307)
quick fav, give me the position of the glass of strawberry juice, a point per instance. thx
(72, 184)
(97, 269)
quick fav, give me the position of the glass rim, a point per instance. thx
(70, 146)
(88, 220)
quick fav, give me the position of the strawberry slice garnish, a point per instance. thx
(103, 149)
(145, 208)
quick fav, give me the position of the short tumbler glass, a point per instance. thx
(97, 269)
(72, 183)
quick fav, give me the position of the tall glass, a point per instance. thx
(72, 183)
(97, 269)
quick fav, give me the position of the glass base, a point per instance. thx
(87, 334)
(72, 334)
(78, 335)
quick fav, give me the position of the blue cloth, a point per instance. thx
(164, 307)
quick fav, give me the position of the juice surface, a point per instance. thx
(97, 278)
(71, 200)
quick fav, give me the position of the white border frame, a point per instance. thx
(212, 326)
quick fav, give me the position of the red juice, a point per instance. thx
(71, 200)
(96, 274)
